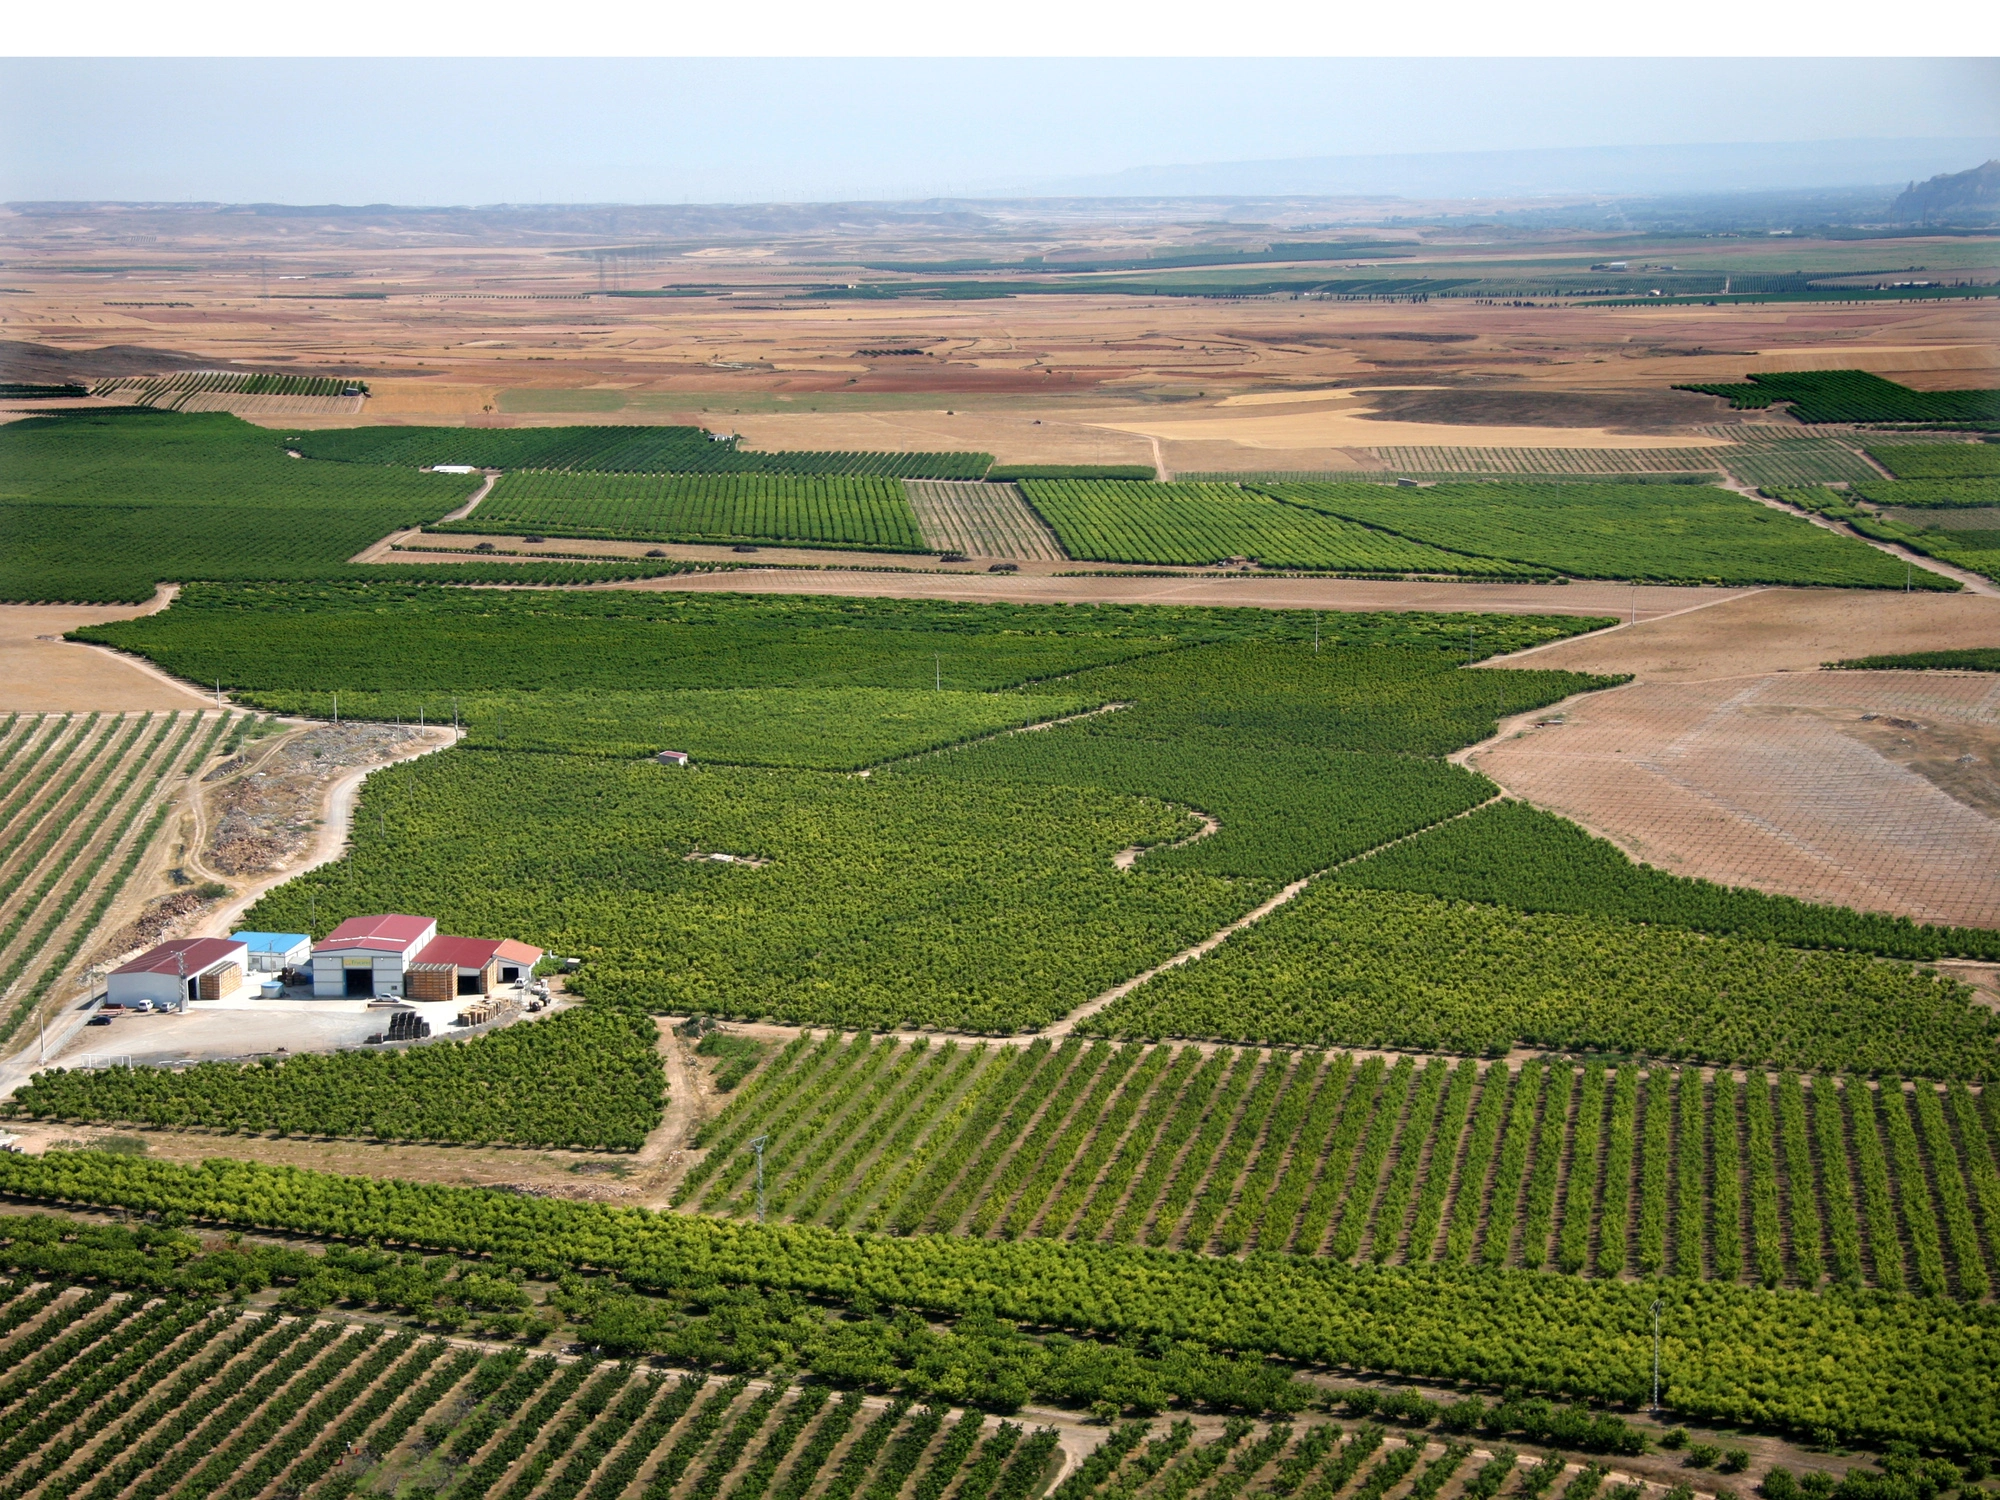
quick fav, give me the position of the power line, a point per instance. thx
(758, 1146)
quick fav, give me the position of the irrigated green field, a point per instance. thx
(1667, 533)
(588, 1078)
(869, 513)
(1857, 396)
(1858, 1363)
(102, 508)
(1597, 1170)
(1938, 460)
(1942, 494)
(1007, 878)
(1110, 520)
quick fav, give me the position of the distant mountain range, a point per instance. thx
(1610, 170)
(1958, 198)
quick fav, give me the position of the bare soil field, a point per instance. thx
(1731, 757)
(1787, 783)
(514, 329)
(1322, 428)
(982, 520)
(1761, 631)
(274, 410)
(42, 673)
(259, 816)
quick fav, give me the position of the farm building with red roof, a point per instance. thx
(394, 956)
(177, 972)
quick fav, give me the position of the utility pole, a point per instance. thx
(758, 1146)
(1656, 1355)
(336, 708)
(1315, 635)
(937, 672)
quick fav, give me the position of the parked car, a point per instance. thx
(98, 1020)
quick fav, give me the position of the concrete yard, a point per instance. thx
(225, 1029)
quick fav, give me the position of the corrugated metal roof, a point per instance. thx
(518, 953)
(386, 924)
(390, 931)
(462, 952)
(196, 954)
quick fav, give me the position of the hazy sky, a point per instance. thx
(501, 130)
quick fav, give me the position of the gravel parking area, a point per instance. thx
(213, 1032)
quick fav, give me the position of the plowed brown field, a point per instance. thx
(1731, 758)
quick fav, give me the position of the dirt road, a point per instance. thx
(1250, 590)
(330, 794)
(1973, 583)
(376, 552)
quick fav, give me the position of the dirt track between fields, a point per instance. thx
(293, 810)
(1249, 590)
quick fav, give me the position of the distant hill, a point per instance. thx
(1766, 166)
(23, 361)
(1957, 197)
(41, 363)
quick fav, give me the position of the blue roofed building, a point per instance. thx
(275, 952)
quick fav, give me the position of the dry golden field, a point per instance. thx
(455, 327)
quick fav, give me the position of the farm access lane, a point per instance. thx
(1651, 601)
(378, 551)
